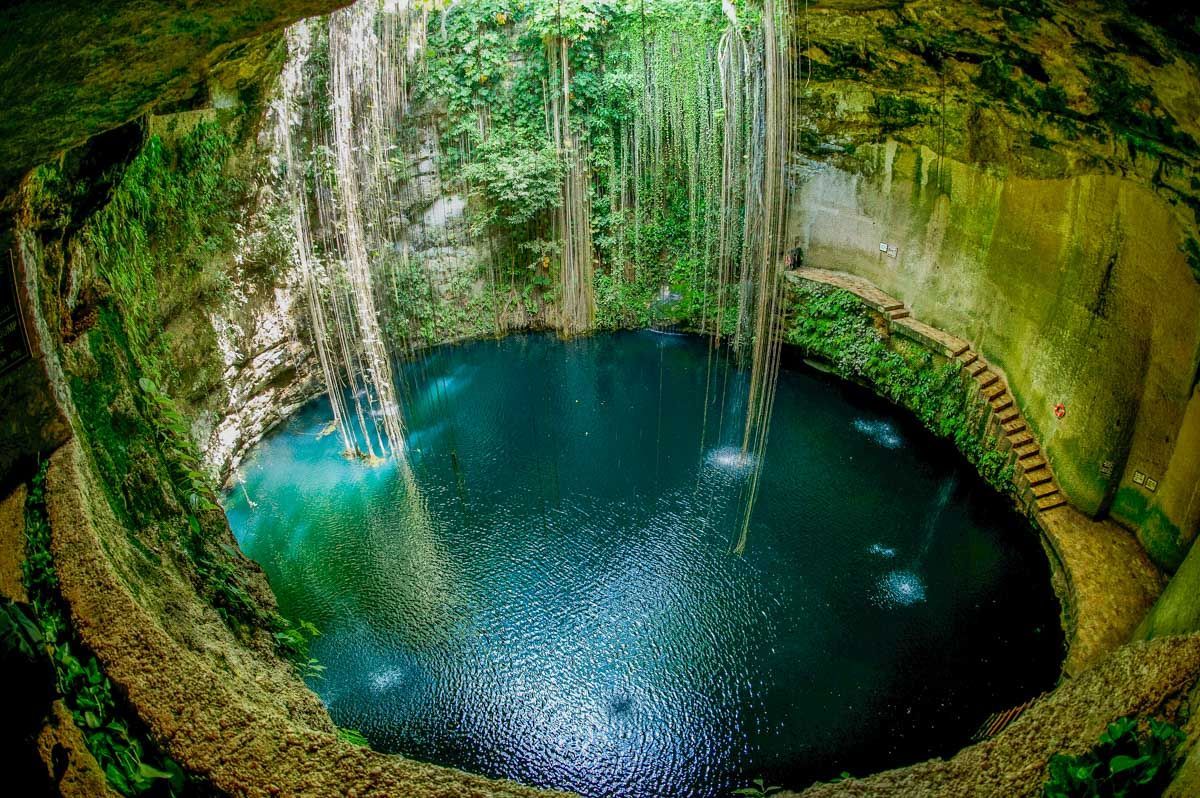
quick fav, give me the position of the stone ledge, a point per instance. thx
(933, 338)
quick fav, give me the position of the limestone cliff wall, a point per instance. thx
(1075, 286)
(1064, 269)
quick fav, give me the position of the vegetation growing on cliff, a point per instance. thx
(1133, 758)
(131, 762)
(643, 120)
(159, 238)
(1016, 87)
(835, 327)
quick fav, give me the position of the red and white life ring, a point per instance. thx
(1060, 410)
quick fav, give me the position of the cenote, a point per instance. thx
(549, 595)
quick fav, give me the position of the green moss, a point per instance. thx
(1132, 111)
(1191, 249)
(998, 78)
(173, 210)
(846, 60)
(1028, 8)
(1177, 610)
(158, 244)
(1160, 537)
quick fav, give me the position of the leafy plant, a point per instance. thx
(354, 737)
(1131, 759)
(131, 762)
(759, 790)
(293, 642)
(517, 175)
(19, 631)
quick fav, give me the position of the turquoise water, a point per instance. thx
(549, 596)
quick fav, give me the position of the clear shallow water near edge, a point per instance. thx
(550, 596)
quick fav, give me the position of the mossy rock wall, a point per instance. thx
(1076, 287)
(69, 70)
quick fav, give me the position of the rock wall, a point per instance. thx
(72, 70)
(259, 331)
(1075, 286)
(1033, 168)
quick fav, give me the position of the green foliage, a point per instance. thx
(293, 643)
(488, 63)
(1131, 759)
(420, 314)
(218, 576)
(759, 790)
(131, 762)
(517, 175)
(834, 326)
(19, 632)
(172, 211)
(173, 432)
(354, 737)
(621, 303)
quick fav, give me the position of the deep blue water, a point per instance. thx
(551, 596)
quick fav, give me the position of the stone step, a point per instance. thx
(1032, 463)
(888, 305)
(1038, 476)
(1002, 404)
(967, 358)
(929, 337)
(1050, 502)
(987, 378)
(977, 368)
(1007, 414)
(1027, 451)
(1020, 438)
(1044, 489)
(1014, 426)
(898, 314)
(994, 391)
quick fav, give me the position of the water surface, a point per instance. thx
(550, 596)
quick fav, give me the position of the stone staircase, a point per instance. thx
(1032, 472)
(1032, 477)
(999, 721)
